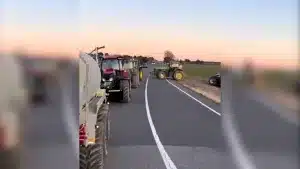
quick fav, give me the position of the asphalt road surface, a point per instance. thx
(266, 132)
(187, 134)
(168, 126)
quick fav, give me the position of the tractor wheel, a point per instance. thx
(103, 132)
(212, 81)
(161, 75)
(141, 75)
(126, 96)
(178, 75)
(95, 156)
(135, 81)
(108, 134)
(82, 157)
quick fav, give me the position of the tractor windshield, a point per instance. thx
(127, 64)
(110, 63)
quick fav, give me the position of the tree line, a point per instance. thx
(142, 59)
(169, 56)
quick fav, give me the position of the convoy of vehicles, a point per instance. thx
(99, 77)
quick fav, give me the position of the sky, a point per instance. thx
(221, 30)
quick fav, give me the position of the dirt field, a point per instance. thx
(279, 86)
(200, 71)
(197, 77)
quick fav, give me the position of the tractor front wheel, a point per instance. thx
(141, 75)
(161, 75)
(178, 75)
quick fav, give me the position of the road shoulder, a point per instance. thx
(200, 87)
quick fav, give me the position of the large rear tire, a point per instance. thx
(126, 96)
(135, 81)
(178, 75)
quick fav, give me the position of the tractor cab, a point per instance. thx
(113, 66)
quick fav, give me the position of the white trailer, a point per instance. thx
(94, 115)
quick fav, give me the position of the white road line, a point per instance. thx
(234, 140)
(166, 158)
(214, 111)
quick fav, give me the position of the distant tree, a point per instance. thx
(151, 59)
(145, 59)
(127, 56)
(168, 56)
(199, 61)
(187, 60)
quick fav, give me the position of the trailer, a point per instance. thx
(94, 130)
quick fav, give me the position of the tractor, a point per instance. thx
(171, 70)
(136, 71)
(116, 80)
(138, 66)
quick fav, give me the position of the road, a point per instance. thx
(190, 133)
(265, 129)
(163, 127)
(169, 126)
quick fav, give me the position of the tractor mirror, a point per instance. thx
(143, 66)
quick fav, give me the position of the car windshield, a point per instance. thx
(110, 63)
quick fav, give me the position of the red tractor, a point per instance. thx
(116, 80)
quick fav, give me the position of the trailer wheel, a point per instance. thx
(82, 157)
(103, 130)
(125, 91)
(108, 134)
(96, 156)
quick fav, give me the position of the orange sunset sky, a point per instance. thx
(270, 44)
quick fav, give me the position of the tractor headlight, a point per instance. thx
(110, 79)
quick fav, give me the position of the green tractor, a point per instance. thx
(136, 71)
(171, 70)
